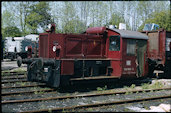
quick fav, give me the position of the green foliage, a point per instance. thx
(8, 19)
(101, 89)
(38, 16)
(145, 85)
(161, 18)
(74, 26)
(132, 86)
(116, 19)
(11, 32)
(73, 17)
(157, 85)
(39, 92)
(20, 70)
(126, 87)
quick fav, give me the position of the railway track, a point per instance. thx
(25, 92)
(14, 77)
(13, 73)
(21, 78)
(99, 104)
(89, 105)
(24, 86)
(13, 81)
(74, 96)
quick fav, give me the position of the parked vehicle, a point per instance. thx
(159, 49)
(18, 46)
(99, 53)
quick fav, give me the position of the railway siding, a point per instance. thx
(88, 101)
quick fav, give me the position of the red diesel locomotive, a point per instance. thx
(99, 53)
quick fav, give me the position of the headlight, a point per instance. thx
(54, 48)
(26, 48)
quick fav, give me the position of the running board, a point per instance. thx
(94, 78)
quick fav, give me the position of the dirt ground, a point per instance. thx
(7, 64)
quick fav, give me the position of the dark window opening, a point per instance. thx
(131, 47)
(114, 44)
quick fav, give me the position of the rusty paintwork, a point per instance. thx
(156, 45)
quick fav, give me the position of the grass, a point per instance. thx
(50, 110)
(126, 87)
(5, 74)
(132, 86)
(39, 92)
(90, 109)
(152, 86)
(126, 110)
(145, 85)
(21, 83)
(101, 89)
(128, 92)
(157, 85)
(19, 70)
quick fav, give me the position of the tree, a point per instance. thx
(11, 32)
(23, 11)
(69, 14)
(74, 26)
(162, 19)
(38, 16)
(116, 19)
(8, 19)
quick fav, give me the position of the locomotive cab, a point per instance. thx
(127, 51)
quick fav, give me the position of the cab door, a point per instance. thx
(114, 54)
(129, 58)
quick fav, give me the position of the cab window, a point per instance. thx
(114, 43)
(131, 47)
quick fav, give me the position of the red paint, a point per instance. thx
(158, 53)
(29, 52)
(115, 56)
(91, 45)
(96, 30)
(67, 67)
(128, 70)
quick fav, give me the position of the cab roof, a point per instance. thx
(130, 34)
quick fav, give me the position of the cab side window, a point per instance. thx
(131, 47)
(114, 43)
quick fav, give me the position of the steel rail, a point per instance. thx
(34, 85)
(13, 72)
(14, 77)
(22, 92)
(98, 104)
(77, 96)
(5, 75)
(13, 81)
